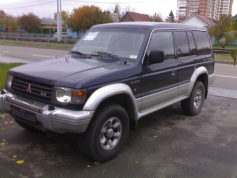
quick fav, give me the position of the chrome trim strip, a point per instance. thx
(24, 104)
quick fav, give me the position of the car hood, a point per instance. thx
(69, 71)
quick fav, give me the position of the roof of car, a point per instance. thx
(151, 25)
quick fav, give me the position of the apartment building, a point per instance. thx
(225, 7)
(212, 9)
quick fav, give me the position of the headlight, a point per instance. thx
(63, 95)
(8, 82)
(72, 96)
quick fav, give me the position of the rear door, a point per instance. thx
(187, 59)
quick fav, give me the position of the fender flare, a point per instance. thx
(199, 71)
(105, 92)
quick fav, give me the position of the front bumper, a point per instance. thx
(41, 116)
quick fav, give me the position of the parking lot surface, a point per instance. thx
(165, 144)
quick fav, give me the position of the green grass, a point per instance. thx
(3, 72)
(227, 47)
(223, 57)
(36, 44)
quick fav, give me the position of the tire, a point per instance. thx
(106, 134)
(26, 126)
(193, 105)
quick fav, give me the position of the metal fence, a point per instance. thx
(35, 38)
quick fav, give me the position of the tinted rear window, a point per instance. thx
(202, 42)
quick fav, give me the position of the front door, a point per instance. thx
(159, 81)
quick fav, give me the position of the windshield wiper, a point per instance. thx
(81, 54)
(113, 56)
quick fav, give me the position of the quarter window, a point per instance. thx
(162, 41)
(202, 42)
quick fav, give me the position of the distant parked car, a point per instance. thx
(64, 35)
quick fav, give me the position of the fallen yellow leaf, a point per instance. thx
(96, 163)
(4, 142)
(20, 162)
(88, 166)
(6, 122)
(136, 162)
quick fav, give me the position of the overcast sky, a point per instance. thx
(46, 8)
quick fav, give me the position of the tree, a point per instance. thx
(85, 17)
(156, 17)
(9, 23)
(170, 18)
(64, 14)
(221, 26)
(30, 23)
(117, 8)
(226, 30)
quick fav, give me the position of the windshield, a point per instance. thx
(122, 42)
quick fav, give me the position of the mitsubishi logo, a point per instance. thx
(28, 89)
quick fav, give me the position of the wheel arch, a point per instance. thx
(200, 74)
(115, 93)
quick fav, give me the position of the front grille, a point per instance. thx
(32, 89)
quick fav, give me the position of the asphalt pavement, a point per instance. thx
(165, 144)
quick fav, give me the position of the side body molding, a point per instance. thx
(108, 91)
(199, 71)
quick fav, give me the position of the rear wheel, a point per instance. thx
(193, 105)
(106, 134)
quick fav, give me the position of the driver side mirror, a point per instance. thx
(156, 57)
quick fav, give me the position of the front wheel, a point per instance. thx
(106, 134)
(193, 105)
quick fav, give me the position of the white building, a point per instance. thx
(198, 20)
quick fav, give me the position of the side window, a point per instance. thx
(181, 40)
(192, 46)
(202, 42)
(162, 41)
